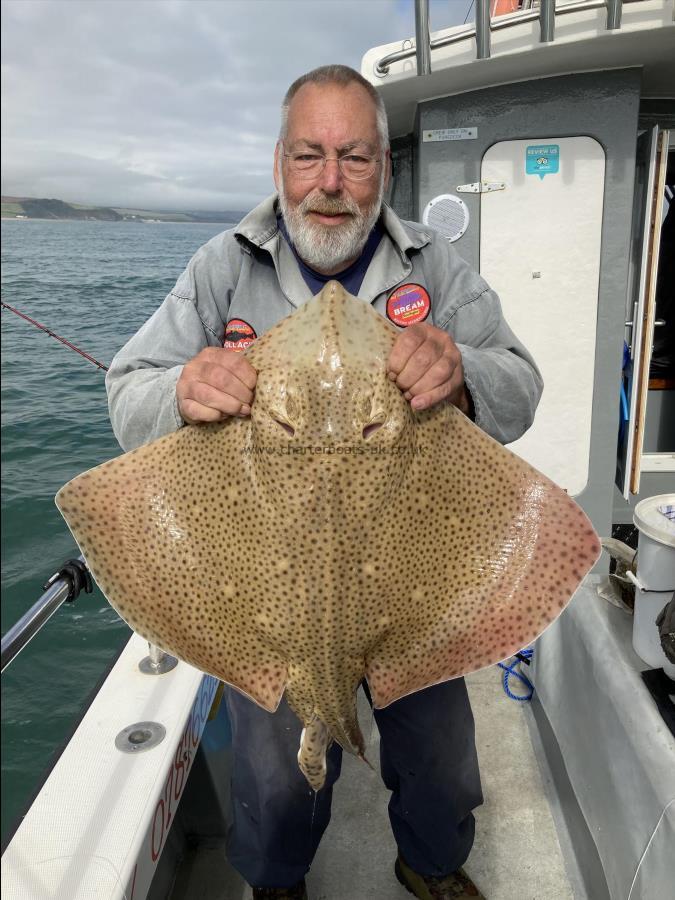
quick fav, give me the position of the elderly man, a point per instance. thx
(331, 168)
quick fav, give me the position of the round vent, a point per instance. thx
(447, 214)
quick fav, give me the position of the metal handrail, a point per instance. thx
(547, 21)
(482, 27)
(423, 47)
(32, 621)
(546, 14)
(613, 14)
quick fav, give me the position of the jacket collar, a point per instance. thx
(260, 225)
(405, 235)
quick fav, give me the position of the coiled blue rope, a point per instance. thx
(510, 669)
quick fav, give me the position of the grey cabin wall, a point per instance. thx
(602, 105)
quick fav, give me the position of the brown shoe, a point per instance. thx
(457, 886)
(297, 892)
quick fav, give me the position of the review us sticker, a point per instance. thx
(542, 159)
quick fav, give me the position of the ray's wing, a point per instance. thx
(488, 552)
(164, 530)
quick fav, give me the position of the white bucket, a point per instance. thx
(655, 578)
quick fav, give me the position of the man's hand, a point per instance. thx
(427, 366)
(215, 384)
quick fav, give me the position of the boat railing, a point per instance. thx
(63, 587)
(547, 13)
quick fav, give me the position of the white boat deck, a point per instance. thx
(517, 854)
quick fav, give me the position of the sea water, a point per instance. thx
(93, 283)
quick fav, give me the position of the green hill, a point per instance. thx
(34, 208)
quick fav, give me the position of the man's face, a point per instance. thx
(329, 217)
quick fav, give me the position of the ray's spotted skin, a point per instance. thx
(334, 535)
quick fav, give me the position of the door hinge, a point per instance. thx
(481, 187)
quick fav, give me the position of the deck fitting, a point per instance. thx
(157, 662)
(140, 736)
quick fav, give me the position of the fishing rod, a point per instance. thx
(54, 335)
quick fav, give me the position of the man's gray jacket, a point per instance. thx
(250, 274)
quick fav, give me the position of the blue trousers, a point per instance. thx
(428, 761)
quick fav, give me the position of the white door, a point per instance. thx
(540, 250)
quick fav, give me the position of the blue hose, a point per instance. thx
(510, 669)
(626, 374)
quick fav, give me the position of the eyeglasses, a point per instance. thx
(353, 166)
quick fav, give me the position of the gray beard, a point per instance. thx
(327, 247)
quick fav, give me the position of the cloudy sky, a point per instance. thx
(169, 104)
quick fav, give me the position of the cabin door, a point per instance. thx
(650, 176)
(540, 250)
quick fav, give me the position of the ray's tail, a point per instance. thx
(314, 742)
(312, 753)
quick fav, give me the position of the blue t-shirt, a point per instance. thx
(350, 278)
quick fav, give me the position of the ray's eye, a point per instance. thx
(292, 407)
(290, 431)
(371, 429)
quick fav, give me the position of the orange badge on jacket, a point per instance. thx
(408, 304)
(238, 335)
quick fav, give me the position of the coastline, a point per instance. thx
(20, 209)
(120, 221)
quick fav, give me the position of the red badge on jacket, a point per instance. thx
(408, 304)
(238, 335)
